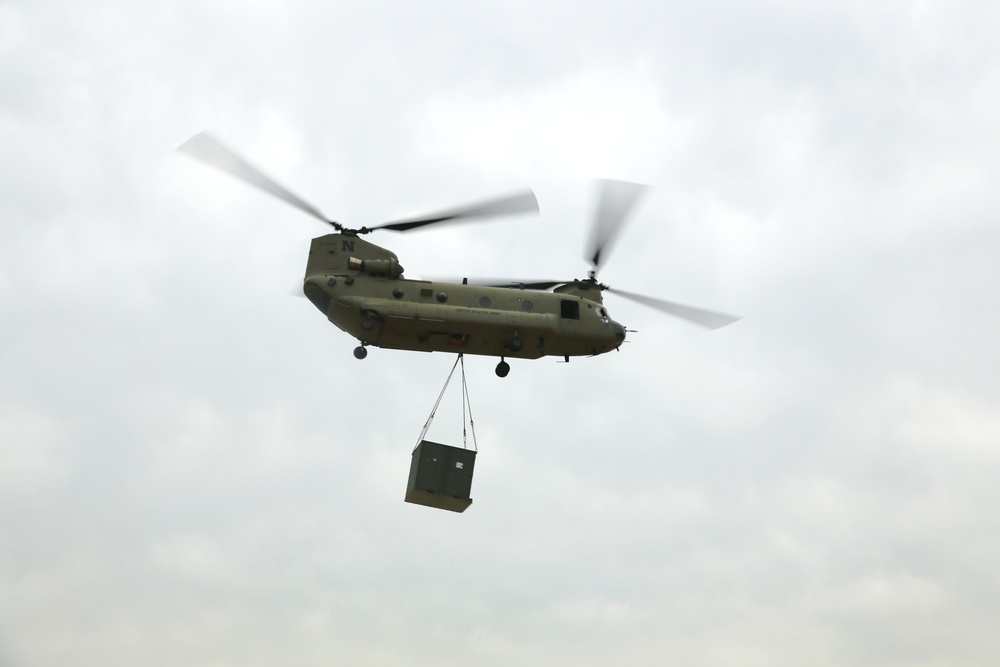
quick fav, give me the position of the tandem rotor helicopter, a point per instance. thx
(360, 287)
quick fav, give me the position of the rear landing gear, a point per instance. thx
(360, 352)
(503, 368)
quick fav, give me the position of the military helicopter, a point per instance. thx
(360, 287)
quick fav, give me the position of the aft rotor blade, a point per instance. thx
(522, 202)
(207, 149)
(615, 201)
(705, 318)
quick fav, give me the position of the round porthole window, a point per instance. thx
(397, 293)
(442, 297)
(485, 301)
(527, 305)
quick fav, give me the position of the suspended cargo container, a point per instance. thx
(441, 476)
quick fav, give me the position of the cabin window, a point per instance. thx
(485, 301)
(527, 305)
(426, 292)
(570, 310)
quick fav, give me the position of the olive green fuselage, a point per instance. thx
(360, 288)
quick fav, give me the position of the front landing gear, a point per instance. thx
(360, 352)
(503, 368)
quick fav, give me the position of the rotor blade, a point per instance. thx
(500, 282)
(520, 284)
(705, 318)
(616, 199)
(205, 148)
(523, 202)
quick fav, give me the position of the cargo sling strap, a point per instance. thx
(465, 405)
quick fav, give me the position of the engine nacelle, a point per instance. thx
(378, 268)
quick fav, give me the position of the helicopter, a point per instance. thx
(359, 286)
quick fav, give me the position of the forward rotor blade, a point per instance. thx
(705, 318)
(205, 148)
(519, 284)
(616, 199)
(523, 202)
(500, 282)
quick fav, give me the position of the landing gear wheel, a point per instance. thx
(502, 369)
(360, 352)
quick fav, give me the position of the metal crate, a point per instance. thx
(441, 476)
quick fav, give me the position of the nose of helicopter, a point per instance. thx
(619, 331)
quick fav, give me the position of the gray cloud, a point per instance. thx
(194, 470)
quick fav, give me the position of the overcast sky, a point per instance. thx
(194, 469)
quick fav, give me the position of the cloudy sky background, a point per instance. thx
(194, 470)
